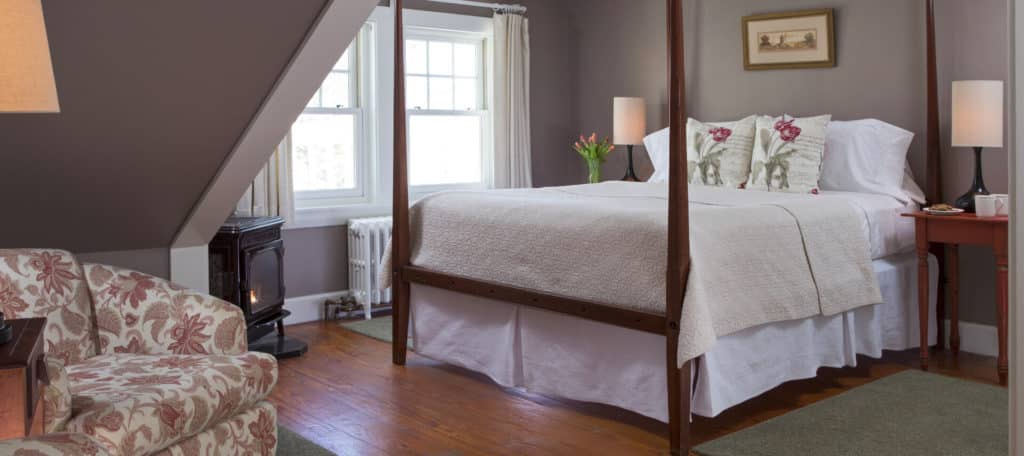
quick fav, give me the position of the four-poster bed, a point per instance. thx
(680, 373)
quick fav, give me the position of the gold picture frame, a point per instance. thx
(789, 40)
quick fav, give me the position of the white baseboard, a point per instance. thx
(309, 308)
(977, 338)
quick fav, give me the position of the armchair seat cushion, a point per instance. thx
(138, 404)
(56, 444)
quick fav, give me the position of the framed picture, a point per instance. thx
(800, 39)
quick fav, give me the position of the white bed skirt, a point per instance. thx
(559, 355)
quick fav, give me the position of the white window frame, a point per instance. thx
(362, 109)
(483, 110)
(379, 77)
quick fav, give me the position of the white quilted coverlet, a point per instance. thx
(757, 257)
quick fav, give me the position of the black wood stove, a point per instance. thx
(247, 269)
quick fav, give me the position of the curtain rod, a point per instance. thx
(500, 7)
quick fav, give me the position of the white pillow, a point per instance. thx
(866, 156)
(910, 187)
(657, 148)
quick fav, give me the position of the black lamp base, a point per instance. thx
(966, 201)
(630, 174)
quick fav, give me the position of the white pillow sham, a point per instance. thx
(912, 191)
(866, 156)
(657, 149)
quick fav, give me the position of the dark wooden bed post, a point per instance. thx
(678, 258)
(933, 178)
(400, 211)
(933, 170)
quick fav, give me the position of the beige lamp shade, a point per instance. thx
(26, 73)
(630, 118)
(977, 114)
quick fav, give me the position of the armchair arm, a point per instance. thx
(139, 313)
(56, 397)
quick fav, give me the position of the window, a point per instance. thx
(340, 148)
(329, 141)
(447, 115)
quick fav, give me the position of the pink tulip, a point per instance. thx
(611, 148)
(593, 137)
(582, 139)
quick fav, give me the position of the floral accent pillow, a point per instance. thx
(787, 154)
(718, 154)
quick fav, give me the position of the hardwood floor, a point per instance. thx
(345, 395)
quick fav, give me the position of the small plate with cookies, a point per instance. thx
(943, 209)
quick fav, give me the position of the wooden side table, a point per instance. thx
(22, 379)
(955, 230)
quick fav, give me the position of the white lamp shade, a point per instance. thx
(26, 73)
(977, 114)
(630, 116)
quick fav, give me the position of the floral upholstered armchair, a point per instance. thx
(138, 365)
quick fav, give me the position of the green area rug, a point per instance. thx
(292, 444)
(910, 413)
(378, 328)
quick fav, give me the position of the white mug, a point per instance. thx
(1002, 204)
(985, 205)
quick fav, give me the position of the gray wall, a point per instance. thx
(975, 41)
(153, 97)
(315, 260)
(150, 261)
(881, 60)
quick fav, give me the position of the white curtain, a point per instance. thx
(511, 101)
(269, 193)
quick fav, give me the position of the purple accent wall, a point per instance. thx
(154, 96)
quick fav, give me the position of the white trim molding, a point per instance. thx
(1016, 304)
(977, 338)
(190, 267)
(309, 308)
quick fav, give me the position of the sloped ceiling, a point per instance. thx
(154, 95)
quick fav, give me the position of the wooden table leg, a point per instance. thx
(954, 299)
(922, 287)
(939, 250)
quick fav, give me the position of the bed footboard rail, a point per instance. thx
(627, 318)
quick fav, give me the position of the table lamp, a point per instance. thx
(26, 73)
(630, 125)
(977, 123)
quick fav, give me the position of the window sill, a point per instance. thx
(335, 216)
(318, 217)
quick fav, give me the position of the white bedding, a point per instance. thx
(565, 356)
(757, 257)
(887, 231)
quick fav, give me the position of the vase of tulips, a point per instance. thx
(595, 153)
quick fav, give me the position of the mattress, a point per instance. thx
(564, 356)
